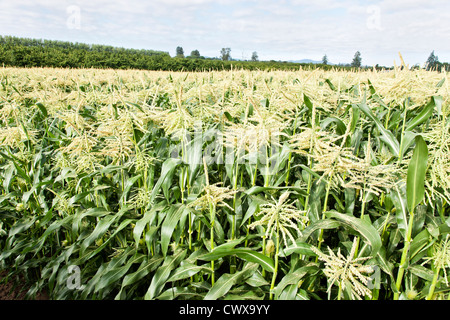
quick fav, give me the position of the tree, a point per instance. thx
(433, 62)
(254, 56)
(356, 63)
(195, 54)
(180, 52)
(225, 53)
(325, 59)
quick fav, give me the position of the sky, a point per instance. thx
(277, 30)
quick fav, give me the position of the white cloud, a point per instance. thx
(285, 29)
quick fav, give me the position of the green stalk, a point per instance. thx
(363, 206)
(385, 226)
(266, 176)
(308, 190)
(183, 184)
(433, 284)
(403, 130)
(340, 291)
(263, 273)
(286, 182)
(248, 231)
(212, 215)
(290, 153)
(255, 173)
(233, 227)
(212, 212)
(401, 269)
(275, 271)
(323, 212)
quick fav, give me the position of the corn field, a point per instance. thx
(256, 185)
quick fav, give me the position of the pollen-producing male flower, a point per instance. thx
(214, 195)
(12, 136)
(346, 270)
(281, 216)
(441, 256)
(80, 145)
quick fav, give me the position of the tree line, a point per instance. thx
(25, 52)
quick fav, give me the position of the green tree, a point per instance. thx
(325, 59)
(180, 52)
(254, 56)
(356, 63)
(195, 54)
(225, 54)
(433, 62)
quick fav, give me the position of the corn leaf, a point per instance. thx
(386, 135)
(226, 281)
(415, 181)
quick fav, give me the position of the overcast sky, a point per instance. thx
(279, 30)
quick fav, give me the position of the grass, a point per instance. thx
(304, 184)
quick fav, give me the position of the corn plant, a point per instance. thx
(289, 185)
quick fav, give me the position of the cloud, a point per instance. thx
(285, 29)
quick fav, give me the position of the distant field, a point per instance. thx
(308, 184)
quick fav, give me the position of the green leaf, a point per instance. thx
(167, 170)
(186, 270)
(194, 156)
(407, 141)
(163, 273)
(21, 225)
(294, 277)
(18, 167)
(184, 293)
(148, 216)
(421, 272)
(240, 293)
(440, 83)
(257, 189)
(226, 281)
(340, 125)
(144, 269)
(243, 253)
(398, 197)
(423, 116)
(386, 135)
(318, 225)
(253, 206)
(91, 212)
(256, 280)
(229, 245)
(332, 87)
(307, 102)
(315, 174)
(415, 181)
(438, 100)
(84, 257)
(418, 245)
(364, 228)
(114, 275)
(102, 227)
(42, 109)
(298, 247)
(173, 217)
(128, 184)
